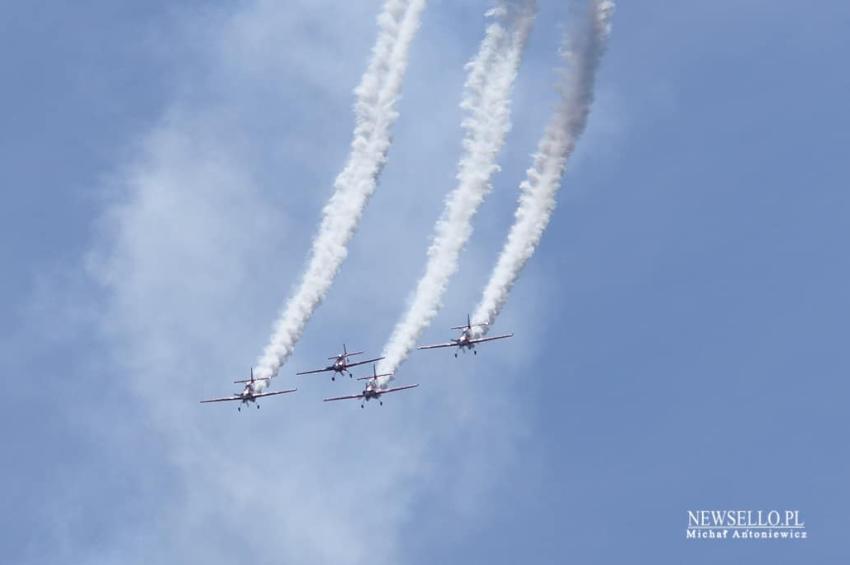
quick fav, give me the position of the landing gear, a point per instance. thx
(258, 406)
(455, 355)
(475, 352)
(382, 402)
(361, 406)
(239, 409)
(333, 378)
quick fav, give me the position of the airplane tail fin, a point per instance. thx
(375, 377)
(374, 374)
(252, 379)
(469, 325)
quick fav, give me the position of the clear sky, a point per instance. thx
(681, 333)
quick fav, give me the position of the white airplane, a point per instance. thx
(340, 364)
(465, 340)
(250, 393)
(373, 389)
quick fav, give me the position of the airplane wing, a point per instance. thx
(262, 394)
(398, 388)
(350, 397)
(364, 362)
(438, 345)
(325, 370)
(495, 337)
(224, 399)
(249, 380)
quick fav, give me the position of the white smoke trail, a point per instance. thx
(375, 113)
(486, 100)
(538, 190)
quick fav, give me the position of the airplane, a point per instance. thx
(249, 393)
(372, 390)
(465, 339)
(340, 364)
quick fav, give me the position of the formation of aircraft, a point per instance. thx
(254, 387)
(373, 389)
(250, 393)
(340, 364)
(465, 340)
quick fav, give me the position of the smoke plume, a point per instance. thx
(375, 114)
(582, 55)
(486, 102)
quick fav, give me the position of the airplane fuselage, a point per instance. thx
(464, 341)
(247, 394)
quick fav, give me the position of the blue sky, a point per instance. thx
(679, 333)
